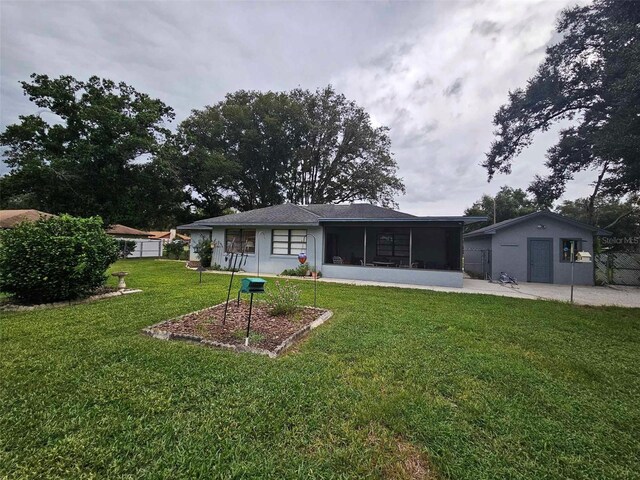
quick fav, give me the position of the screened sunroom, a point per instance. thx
(423, 247)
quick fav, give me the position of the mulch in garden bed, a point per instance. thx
(268, 332)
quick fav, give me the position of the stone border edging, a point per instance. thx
(155, 331)
(24, 308)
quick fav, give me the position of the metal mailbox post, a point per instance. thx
(250, 286)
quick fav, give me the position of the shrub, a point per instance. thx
(125, 247)
(174, 250)
(204, 250)
(300, 271)
(284, 299)
(59, 258)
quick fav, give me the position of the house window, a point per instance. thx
(237, 240)
(565, 248)
(288, 242)
(392, 245)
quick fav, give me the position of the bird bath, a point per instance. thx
(121, 284)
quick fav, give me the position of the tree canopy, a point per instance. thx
(235, 153)
(592, 78)
(258, 149)
(622, 218)
(105, 149)
(341, 157)
(95, 157)
(509, 203)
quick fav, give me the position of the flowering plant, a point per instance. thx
(283, 299)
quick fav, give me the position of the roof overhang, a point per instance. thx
(244, 224)
(193, 226)
(487, 231)
(444, 219)
(479, 234)
(461, 220)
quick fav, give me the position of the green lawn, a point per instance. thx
(474, 386)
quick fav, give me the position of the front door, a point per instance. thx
(540, 260)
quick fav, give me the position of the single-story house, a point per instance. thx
(357, 241)
(122, 231)
(532, 248)
(10, 218)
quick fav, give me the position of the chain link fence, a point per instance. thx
(617, 269)
(477, 262)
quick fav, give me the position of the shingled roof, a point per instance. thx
(10, 218)
(117, 229)
(492, 229)
(290, 214)
(315, 214)
(353, 211)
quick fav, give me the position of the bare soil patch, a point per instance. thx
(406, 460)
(269, 334)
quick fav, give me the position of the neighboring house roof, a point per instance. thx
(159, 235)
(10, 218)
(315, 214)
(118, 229)
(492, 229)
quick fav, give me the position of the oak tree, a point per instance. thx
(590, 78)
(90, 150)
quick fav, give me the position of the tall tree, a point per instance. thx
(622, 218)
(95, 156)
(592, 78)
(509, 203)
(342, 157)
(236, 152)
(258, 149)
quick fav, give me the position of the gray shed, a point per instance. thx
(532, 248)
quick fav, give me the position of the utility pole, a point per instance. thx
(494, 209)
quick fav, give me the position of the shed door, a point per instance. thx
(540, 260)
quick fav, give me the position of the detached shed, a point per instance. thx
(532, 248)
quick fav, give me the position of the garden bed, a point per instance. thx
(269, 334)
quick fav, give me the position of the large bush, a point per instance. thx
(176, 250)
(59, 258)
(204, 250)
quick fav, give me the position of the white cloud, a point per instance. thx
(397, 59)
(454, 76)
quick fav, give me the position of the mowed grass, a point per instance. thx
(398, 384)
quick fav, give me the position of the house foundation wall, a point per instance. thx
(407, 276)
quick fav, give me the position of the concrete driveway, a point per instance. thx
(598, 296)
(583, 295)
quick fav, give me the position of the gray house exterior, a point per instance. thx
(532, 248)
(356, 242)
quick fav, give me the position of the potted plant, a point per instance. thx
(315, 273)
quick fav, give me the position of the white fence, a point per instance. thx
(145, 248)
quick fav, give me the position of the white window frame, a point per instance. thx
(288, 241)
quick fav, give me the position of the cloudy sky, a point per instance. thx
(434, 72)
